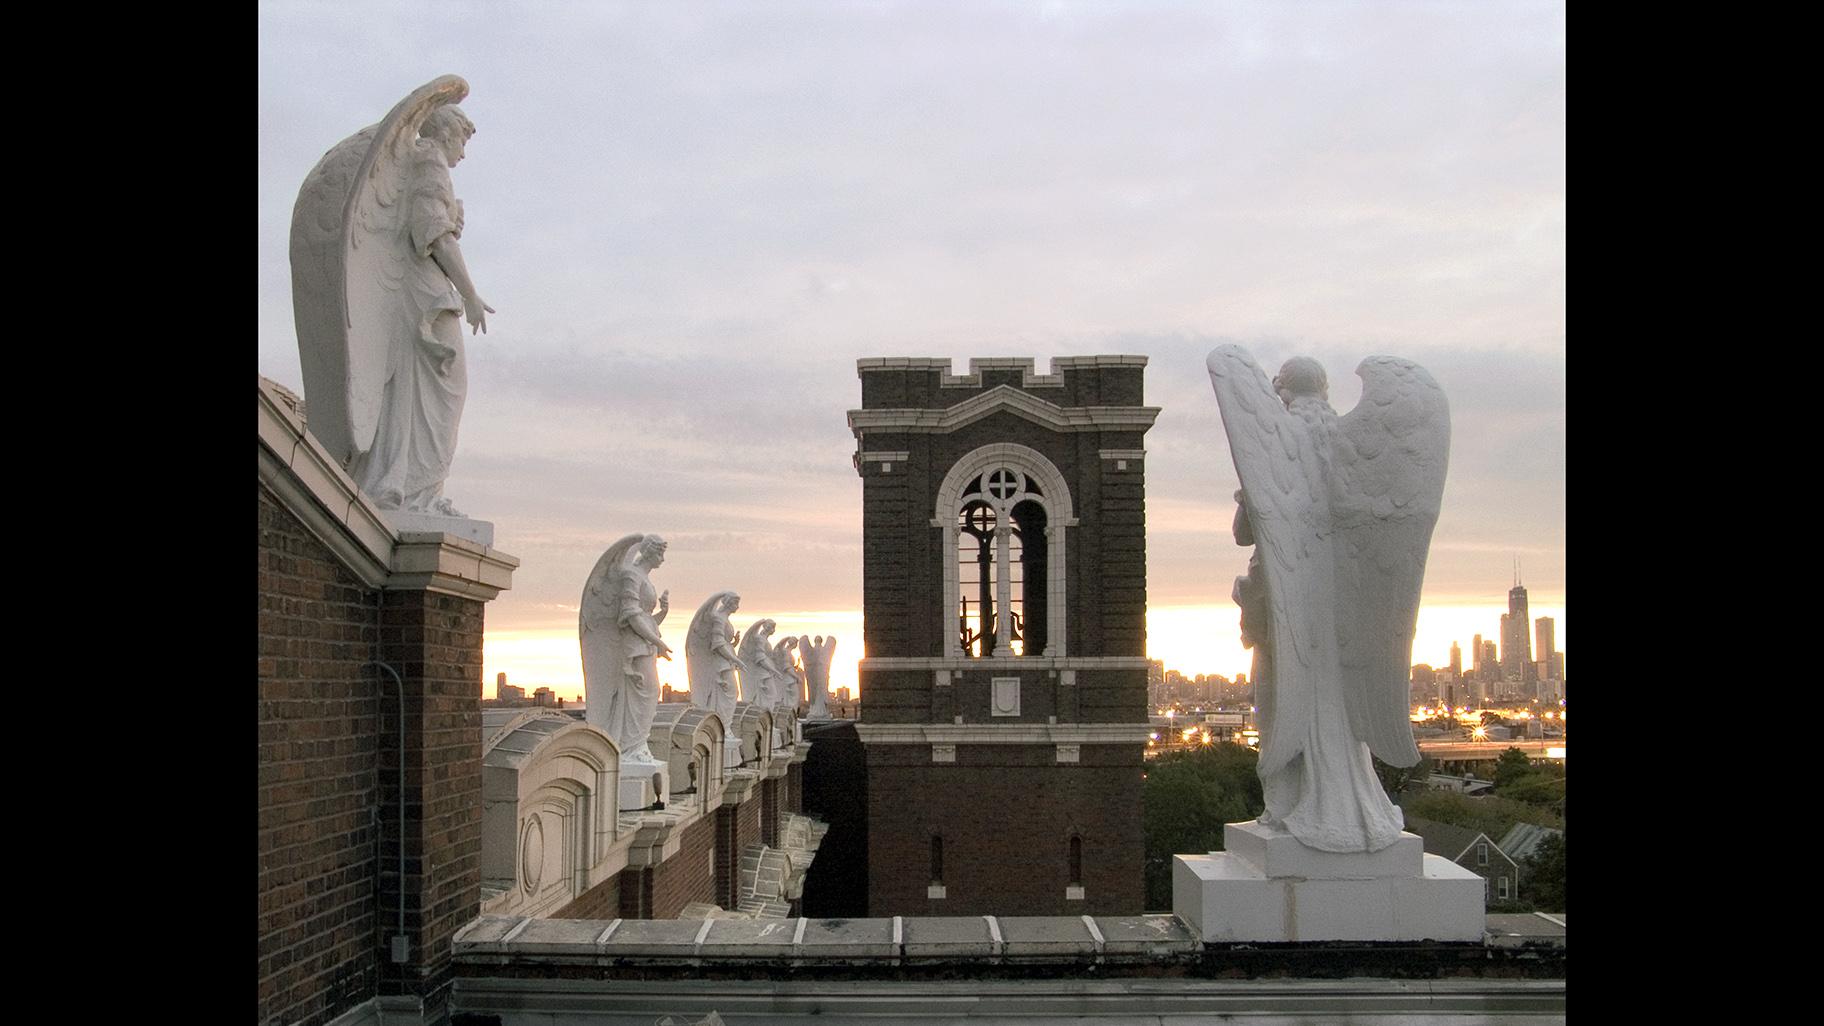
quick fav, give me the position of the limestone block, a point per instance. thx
(1446, 904)
(1227, 899)
(481, 532)
(1276, 853)
(1352, 910)
(950, 936)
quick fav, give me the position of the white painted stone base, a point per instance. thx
(731, 752)
(637, 788)
(481, 532)
(1396, 894)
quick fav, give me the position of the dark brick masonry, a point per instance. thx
(328, 777)
(1005, 813)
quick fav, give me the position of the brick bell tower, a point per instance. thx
(1003, 693)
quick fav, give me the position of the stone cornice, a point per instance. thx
(742, 785)
(1003, 398)
(1004, 733)
(310, 483)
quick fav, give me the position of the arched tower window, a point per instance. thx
(1003, 508)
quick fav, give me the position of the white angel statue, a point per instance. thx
(756, 665)
(711, 660)
(378, 288)
(788, 685)
(817, 658)
(619, 633)
(1340, 510)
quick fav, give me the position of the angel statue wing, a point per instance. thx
(756, 659)
(1389, 457)
(1279, 457)
(349, 254)
(700, 659)
(603, 640)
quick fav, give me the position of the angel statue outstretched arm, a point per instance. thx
(379, 283)
(1340, 511)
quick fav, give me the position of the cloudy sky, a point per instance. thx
(693, 218)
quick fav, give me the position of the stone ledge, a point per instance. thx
(830, 997)
(1162, 949)
(309, 483)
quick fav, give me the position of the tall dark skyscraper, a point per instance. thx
(1516, 640)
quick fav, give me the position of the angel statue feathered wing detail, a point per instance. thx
(379, 290)
(710, 658)
(1341, 511)
(619, 636)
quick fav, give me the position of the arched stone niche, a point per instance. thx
(689, 739)
(754, 726)
(550, 787)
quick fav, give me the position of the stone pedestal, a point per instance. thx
(481, 532)
(1269, 887)
(731, 752)
(643, 783)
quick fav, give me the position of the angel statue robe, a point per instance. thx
(1340, 510)
(427, 372)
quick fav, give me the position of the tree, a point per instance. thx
(1545, 874)
(1187, 798)
(1492, 815)
(1510, 767)
(1395, 780)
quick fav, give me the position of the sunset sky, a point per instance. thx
(692, 220)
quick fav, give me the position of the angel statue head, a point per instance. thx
(1301, 376)
(652, 550)
(450, 128)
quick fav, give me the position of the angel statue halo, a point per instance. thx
(1340, 510)
(379, 289)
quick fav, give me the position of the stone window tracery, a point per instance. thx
(1004, 510)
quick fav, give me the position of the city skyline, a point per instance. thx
(692, 222)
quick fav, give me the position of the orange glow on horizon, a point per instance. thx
(1190, 639)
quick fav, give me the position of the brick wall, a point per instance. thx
(1006, 813)
(794, 788)
(318, 736)
(603, 901)
(769, 813)
(737, 826)
(687, 876)
(329, 767)
(434, 640)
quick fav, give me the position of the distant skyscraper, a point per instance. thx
(1543, 631)
(1456, 660)
(1516, 644)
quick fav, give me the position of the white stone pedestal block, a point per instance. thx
(731, 752)
(643, 783)
(481, 532)
(1275, 852)
(1396, 894)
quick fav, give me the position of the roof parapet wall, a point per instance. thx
(904, 382)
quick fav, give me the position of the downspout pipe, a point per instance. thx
(401, 942)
